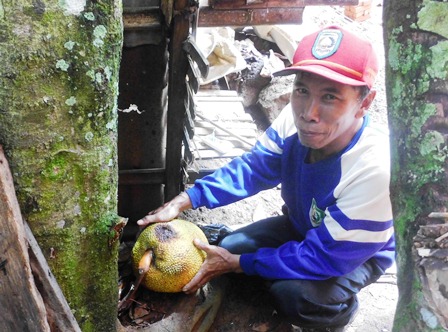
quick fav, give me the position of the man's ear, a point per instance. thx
(366, 102)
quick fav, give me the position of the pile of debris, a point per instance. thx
(431, 254)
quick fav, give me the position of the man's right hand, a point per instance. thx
(167, 211)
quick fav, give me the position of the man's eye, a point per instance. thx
(329, 97)
(301, 91)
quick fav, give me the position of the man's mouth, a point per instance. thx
(308, 133)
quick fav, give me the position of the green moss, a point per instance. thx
(423, 112)
(89, 16)
(438, 69)
(393, 54)
(406, 215)
(433, 17)
(432, 146)
(56, 168)
(77, 274)
(2, 11)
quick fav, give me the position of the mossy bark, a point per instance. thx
(417, 84)
(59, 64)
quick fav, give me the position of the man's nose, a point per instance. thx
(311, 111)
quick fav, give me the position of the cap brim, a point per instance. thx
(321, 71)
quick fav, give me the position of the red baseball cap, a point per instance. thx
(336, 54)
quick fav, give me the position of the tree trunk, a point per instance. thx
(416, 35)
(58, 89)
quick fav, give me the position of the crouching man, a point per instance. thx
(336, 235)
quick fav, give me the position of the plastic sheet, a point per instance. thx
(215, 232)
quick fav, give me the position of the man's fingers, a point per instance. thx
(144, 221)
(162, 214)
(193, 284)
(199, 244)
(167, 211)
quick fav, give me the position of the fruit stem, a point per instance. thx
(145, 262)
(143, 267)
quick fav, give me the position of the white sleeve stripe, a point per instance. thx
(338, 233)
(269, 144)
(283, 127)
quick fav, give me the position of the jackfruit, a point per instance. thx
(174, 259)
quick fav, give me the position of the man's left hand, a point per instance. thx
(218, 261)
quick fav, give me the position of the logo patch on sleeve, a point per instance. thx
(327, 43)
(316, 214)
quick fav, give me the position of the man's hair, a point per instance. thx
(363, 91)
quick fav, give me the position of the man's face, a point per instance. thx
(327, 114)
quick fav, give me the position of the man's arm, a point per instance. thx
(257, 170)
(356, 227)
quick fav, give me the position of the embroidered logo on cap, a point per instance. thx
(327, 43)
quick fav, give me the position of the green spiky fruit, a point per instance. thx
(175, 258)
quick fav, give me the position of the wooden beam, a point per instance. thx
(209, 17)
(141, 176)
(178, 66)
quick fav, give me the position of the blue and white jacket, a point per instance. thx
(340, 205)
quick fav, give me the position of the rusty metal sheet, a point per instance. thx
(209, 17)
(286, 4)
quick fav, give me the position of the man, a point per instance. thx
(336, 236)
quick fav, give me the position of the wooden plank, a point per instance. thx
(222, 103)
(212, 154)
(141, 176)
(216, 93)
(248, 134)
(222, 114)
(142, 20)
(283, 4)
(200, 145)
(231, 133)
(59, 315)
(357, 10)
(20, 302)
(221, 111)
(231, 125)
(218, 99)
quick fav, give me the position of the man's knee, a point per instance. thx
(306, 305)
(237, 243)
